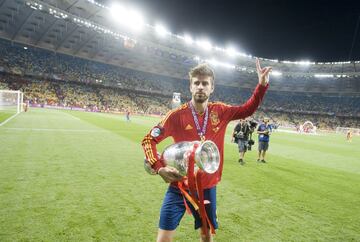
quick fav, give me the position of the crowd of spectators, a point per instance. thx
(46, 64)
(49, 78)
(85, 96)
(4, 86)
(294, 120)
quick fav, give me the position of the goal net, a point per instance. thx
(344, 130)
(10, 105)
(307, 127)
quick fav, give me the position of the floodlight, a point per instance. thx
(117, 12)
(188, 39)
(127, 17)
(323, 75)
(304, 63)
(161, 30)
(241, 54)
(204, 44)
(135, 20)
(231, 51)
(219, 48)
(222, 64)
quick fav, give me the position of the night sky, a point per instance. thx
(317, 30)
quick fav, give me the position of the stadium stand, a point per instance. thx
(72, 63)
(49, 78)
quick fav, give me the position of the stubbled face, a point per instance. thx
(201, 88)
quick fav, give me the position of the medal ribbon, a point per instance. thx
(201, 131)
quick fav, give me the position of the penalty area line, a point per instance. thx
(7, 120)
(58, 130)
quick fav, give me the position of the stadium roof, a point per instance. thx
(319, 30)
(85, 28)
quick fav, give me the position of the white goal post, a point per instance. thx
(11, 104)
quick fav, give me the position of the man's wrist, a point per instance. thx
(158, 164)
(158, 170)
(263, 85)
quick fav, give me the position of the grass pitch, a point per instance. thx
(75, 176)
(6, 114)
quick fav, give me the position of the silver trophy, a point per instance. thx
(206, 156)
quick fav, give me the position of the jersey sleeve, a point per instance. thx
(158, 133)
(248, 108)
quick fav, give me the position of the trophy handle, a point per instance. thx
(207, 157)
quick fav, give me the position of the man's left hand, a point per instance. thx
(263, 73)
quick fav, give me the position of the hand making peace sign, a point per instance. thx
(263, 73)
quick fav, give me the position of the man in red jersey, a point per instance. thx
(198, 119)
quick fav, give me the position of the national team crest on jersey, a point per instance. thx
(155, 132)
(214, 117)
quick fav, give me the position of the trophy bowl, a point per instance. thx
(206, 155)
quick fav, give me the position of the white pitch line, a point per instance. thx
(68, 114)
(58, 130)
(7, 120)
(67, 130)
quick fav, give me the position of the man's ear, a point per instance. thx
(212, 88)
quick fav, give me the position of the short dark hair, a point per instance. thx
(202, 70)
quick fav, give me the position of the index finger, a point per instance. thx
(258, 67)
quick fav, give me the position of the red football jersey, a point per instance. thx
(179, 124)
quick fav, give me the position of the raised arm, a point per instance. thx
(251, 105)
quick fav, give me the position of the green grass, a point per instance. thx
(5, 114)
(75, 176)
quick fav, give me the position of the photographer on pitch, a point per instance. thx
(264, 130)
(242, 136)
